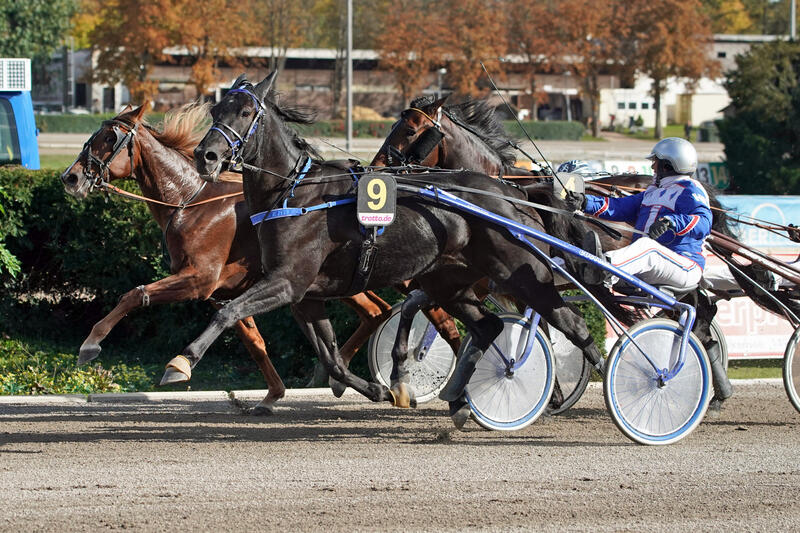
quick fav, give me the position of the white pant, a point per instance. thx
(656, 264)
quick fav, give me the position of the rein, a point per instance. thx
(99, 179)
(758, 223)
(184, 205)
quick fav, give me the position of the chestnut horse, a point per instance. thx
(212, 245)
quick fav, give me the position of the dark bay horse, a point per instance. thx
(469, 136)
(316, 254)
(212, 246)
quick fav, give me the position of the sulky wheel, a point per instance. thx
(572, 370)
(791, 369)
(509, 397)
(644, 411)
(431, 370)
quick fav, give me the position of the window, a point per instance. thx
(80, 95)
(631, 105)
(722, 55)
(645, 105)
(620, 105)
(9, 139)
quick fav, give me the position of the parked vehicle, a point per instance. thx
(18, 143)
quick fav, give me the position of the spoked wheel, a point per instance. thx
(791, 369)
(644, 411)
(435, 359)
(505, 396)
(572, 370)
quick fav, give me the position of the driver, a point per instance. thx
(674, 214)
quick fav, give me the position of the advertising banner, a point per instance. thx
(750, 331)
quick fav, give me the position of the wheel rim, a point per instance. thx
(502, 402)
(428, 376)
(656, 413)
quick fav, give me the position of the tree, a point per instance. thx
(410, 46)
(280, 26)
(472, 31)
(33, 28)
(672, 40)
(205, 30)
(762, 139)
(593, 33)
(130, 40)
(728, 16)
(532, 36)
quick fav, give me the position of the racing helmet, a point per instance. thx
(575, 166)
(678, 152)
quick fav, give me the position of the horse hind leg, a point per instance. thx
(311, 313)
(484, 327)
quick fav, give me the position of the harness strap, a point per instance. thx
(297, 211)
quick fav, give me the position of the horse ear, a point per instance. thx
(134, 115)
(439, 103)
(240, 80)
(265, 86)
(127, 108)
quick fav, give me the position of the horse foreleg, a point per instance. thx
(264, 296)
(176, 288)
(251, 338)
(372, 311)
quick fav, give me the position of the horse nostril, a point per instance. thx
(70, 179)
(210, 157)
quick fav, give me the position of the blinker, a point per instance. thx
(425, 144)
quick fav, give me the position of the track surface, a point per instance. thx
(321, 464)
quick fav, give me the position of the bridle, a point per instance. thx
(100, 178)
(419, 150)
(238, 143)
(124, 139)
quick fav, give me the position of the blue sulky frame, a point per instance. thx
(522, 233)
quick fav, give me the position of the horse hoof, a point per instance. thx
(88, 352)
(337, 387)
(403, 396)
(263, 409)
(179, 370)
(461, 416)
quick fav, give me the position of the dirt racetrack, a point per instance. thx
(322, 464)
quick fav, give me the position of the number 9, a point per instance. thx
(376, 189)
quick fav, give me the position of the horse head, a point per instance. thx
(109, 154)
(415, 137)
(236, 118)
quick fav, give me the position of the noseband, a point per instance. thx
(125, 134)
(237, 143)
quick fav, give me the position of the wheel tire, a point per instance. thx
(719, 336)
(428, 376)
(644, 412)
(791, 369)
(506, 403)
(573, 371)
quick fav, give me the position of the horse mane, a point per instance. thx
(481, 118)
(293, 114)
(183, 128)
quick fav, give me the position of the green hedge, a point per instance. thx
(555, 130)
(48, 123)
(551, 130)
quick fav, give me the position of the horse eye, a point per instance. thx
(411, 132)
(246, 113)
(110, 139)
